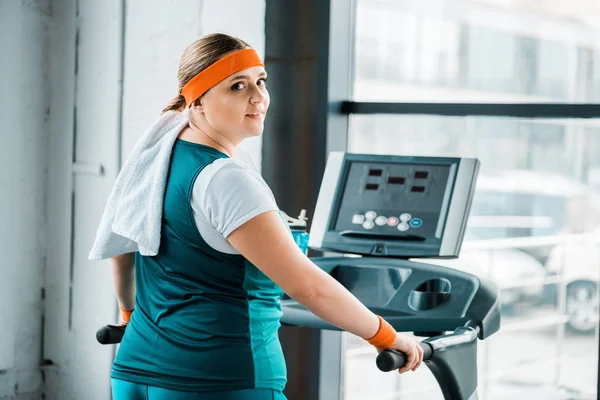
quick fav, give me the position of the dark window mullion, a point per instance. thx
(516, 110)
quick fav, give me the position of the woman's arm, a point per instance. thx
(123, 273)
(266, 243)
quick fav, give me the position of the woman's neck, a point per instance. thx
(192, 133)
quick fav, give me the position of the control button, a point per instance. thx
(392, 221)
(358, 219)
(416, 222)
(402, 227)
(405, 217)
(370, 214)
(368, 224)
(381, 220)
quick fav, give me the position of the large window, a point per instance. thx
(535, 222)
(454, 50)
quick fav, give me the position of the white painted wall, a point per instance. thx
(80, 82)
(23, 161)
(155, 39)
(97, 94)
(62, 79)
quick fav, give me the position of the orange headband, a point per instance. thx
(215, 73)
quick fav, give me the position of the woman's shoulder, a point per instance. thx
(227, 166)
(229, 172)
(230, 184)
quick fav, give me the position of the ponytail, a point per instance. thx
(177, 104)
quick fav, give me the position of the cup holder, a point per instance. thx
(429, 294)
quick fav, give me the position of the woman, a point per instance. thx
(207, 306)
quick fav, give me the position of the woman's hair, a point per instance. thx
(200, 55)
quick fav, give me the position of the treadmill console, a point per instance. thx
(386, 209)
(394, 206)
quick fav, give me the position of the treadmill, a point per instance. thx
(380, 213)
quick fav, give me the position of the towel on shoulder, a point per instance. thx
(132, 217)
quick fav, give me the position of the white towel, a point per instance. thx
(133, 214)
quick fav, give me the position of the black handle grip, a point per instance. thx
(110, 334)
(390, 359)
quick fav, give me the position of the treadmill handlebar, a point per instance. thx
(110, 334)
(391, 359)
(387, 360)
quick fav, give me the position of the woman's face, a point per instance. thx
(236, 107)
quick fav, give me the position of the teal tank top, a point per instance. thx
(203, 320)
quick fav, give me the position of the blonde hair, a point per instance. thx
(200, 55)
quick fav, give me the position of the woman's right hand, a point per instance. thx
(412, 349)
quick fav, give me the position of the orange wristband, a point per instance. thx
(125, 315)
(385, 336)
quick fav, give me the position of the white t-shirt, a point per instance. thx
(227, 193)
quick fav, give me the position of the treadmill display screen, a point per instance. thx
(394, 200)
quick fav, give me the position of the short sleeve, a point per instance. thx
(233, 195)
